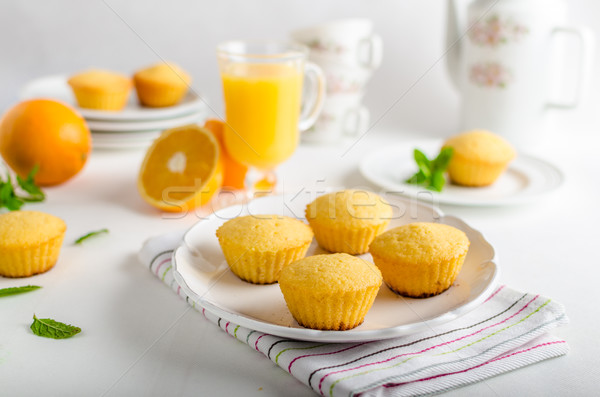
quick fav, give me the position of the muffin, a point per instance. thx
(348, 221)
(101, 89)
(256, 248)
(330, 292)
(420, 259)
(30, 242)
(479, 158)
(163, 84)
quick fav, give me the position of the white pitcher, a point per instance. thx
(502, 58)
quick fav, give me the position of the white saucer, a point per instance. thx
(201, 271)
(526, 179)
(146, 135)
(56, 87)
(124, 140)
(132, 126)
(112, 140)
(116, 146)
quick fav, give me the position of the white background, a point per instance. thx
(133, 341)
(65, 36)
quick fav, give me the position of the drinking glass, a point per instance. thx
(271, 93)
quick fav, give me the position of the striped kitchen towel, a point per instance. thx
(508, 331)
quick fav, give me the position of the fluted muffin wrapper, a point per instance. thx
(260, 267)
(419, 280)
(101, 100)
(25, 262)
(352, 241)
(154, 95)
(337, 312)
(470, 173)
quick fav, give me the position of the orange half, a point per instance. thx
(235, 172)
(182, 169)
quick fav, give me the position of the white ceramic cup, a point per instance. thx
(342, 80)
(348, 52)
(342, 116)
(346, 42)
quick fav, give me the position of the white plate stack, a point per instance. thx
(134, 126)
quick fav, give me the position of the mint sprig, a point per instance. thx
(49, 328)
(18, 290)
(431, 172)
(11, 199)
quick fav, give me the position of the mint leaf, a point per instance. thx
(18, 290)
(437, 181)
(431, 172)
(417, 178)
(442, 161)
(8, 194)
(422, 162)
(8, 198)
(28, 185)
(90, 234)
(49, 328)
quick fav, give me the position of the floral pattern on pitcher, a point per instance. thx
(493, 31)
(490, 74)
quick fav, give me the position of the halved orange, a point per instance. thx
(182, 170)
(235, 172)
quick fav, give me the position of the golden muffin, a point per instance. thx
(163, 84)
(101, 89)
(348, 221)
(30, 242)
(258, 247)
(479, 157)
(420, 259)
(330, 292)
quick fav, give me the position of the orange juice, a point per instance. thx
(262, 106)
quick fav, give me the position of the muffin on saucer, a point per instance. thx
(347, 221)
(420, 259)
(100, 89)
(479, 158)
(30, 242)
(330, 292)
(256, 248)
(161, 85)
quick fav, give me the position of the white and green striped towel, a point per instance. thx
(508, 331)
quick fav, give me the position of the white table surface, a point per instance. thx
(138, 338)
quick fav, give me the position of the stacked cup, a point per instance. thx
(348, 52)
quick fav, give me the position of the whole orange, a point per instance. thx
(47, 133)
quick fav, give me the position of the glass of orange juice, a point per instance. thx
(271, 93)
